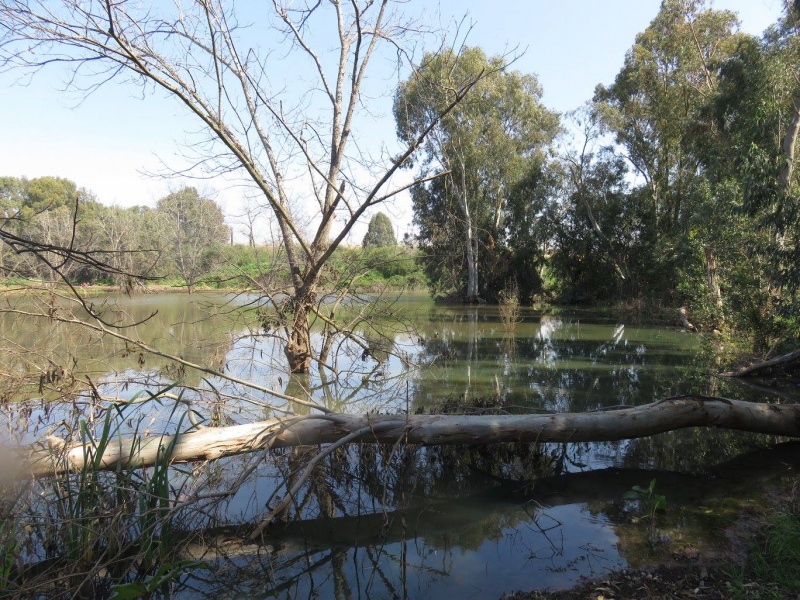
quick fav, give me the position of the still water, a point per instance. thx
(397, 521)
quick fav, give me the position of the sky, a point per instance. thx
(109, 140)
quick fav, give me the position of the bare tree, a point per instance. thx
(293, 145)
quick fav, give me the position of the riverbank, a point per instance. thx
(98, 289)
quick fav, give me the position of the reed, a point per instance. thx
(92, 532)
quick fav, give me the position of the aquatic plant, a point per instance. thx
(650, 502)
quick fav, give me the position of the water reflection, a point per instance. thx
(428, 557)
(557, 362)
(541, 535)
(396, 521)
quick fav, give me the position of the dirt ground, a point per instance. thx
(687, 581)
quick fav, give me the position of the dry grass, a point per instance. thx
(509, 309)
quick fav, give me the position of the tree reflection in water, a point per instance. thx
(402, 521)
(413, 522)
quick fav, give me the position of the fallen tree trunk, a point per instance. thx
(215, 442)
(486, 511)
(786, 362)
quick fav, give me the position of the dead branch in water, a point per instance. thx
(768, 367)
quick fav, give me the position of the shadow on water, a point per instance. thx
(538, 534)
(413, 522)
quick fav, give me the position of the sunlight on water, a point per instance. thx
(394, 522)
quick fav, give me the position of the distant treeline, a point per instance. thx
(183, 241)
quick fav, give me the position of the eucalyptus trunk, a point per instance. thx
(711, 276)
(471, 241)
(789, 145)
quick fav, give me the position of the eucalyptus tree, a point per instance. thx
(133, 238)
(290, 132)
(787, 44)
(57, 218)
(193, 228)
(487, 145)
(772, 130)
(655, 110)
(599, 238)
(593, 236)
(749, 164)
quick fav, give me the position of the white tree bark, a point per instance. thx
(788, 145)
(215, 442)
(711, 277)
(470, 240)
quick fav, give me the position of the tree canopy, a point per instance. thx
(194, 227)
(380, 232)
(488, 144)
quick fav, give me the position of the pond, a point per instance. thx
(397, 521)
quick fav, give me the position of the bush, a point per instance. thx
(393, 266)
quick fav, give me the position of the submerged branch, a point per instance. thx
(216, 442)
(768, 367)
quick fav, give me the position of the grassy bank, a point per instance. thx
(240, 267)
(364, 269)
(772, 568)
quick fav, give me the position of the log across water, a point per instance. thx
(215, 442)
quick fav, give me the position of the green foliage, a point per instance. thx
(583, 259)
(243, 266)
(701, 112)
(380, 232)
(773, 563)
(656, 110)
(194, 228)
(98, 529)
(509, 309)
(48, 193)
(55, 212)
(9, 551)
(746, 162)
(164, 574)
(492, 141)
(650, 502)
(392, 266)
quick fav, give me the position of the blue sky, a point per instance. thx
(104, 141)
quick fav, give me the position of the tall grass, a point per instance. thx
(89, 533)
(772, 571)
